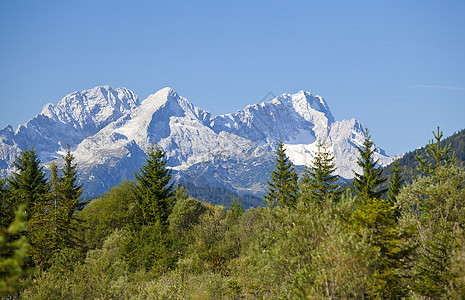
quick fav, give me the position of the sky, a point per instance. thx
(396, 66)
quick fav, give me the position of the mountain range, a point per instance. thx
(109, 131)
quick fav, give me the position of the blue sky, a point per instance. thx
(397, 66)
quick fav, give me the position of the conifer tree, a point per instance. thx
(437, 156)
(14, 256)
(6, 207)
(70, 188)
(367, 185)
(395, 182)
(148, 243)
(154, 188)
(53, 226)
(318, 179)
(282, 189)
(28, 183)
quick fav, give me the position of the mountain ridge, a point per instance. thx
(110, 130)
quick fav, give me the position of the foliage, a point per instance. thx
(395, 182)
(282, 189)
(440, 156)
(411, 245)
(147, 244)
(28, 184)
(154, 188)
(318, 181)
(436, 206)
(14, 256)
(219, 195)
(114, 210)
(367, 185)
(53, 225)
(70, 189)
(409, 165)
(6, 205)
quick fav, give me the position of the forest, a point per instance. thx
(396, 236)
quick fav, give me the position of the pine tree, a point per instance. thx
(367, 185)
(395, 182)
(437, 156)
(28, 184)
(282, 189)
(154, 188)
(318, 179)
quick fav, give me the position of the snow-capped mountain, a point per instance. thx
(109, 131)
(76, 117)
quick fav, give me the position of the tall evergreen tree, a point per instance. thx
(6, 206)
(395, 181)
(367, 185)
(28, 184)
(70, 188)
(318, 179)
(53, 226)
(437, 156)
(148, 243)
(154, 188)
(282, 189)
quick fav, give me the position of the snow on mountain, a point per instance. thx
(111, 131)
(77, 116)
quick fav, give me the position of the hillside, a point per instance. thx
(410, 164)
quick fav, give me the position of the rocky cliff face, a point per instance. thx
(109, 131)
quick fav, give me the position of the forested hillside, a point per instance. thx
(147, 239)
(409, 164)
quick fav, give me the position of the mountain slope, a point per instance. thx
(76, 117)
(110, 132)
(409, 164)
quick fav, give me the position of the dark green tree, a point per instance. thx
(437, 155)
(6, 206)
(53, 226)
(318, 179)
(236, 209)
(395, 182)
(14, 256)
(28, 184)
(71, 190)
(282, 189)
(148, 243)
(154, 188)
(368, 183)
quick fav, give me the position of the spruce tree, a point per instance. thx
(70, 188)
(6, 206)
(53, 226)
(368, 184)
(28, 184)
(395, 182)
(437, 156)
(148, 243)
(154, 188)
(282, 189)
(318, 179)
